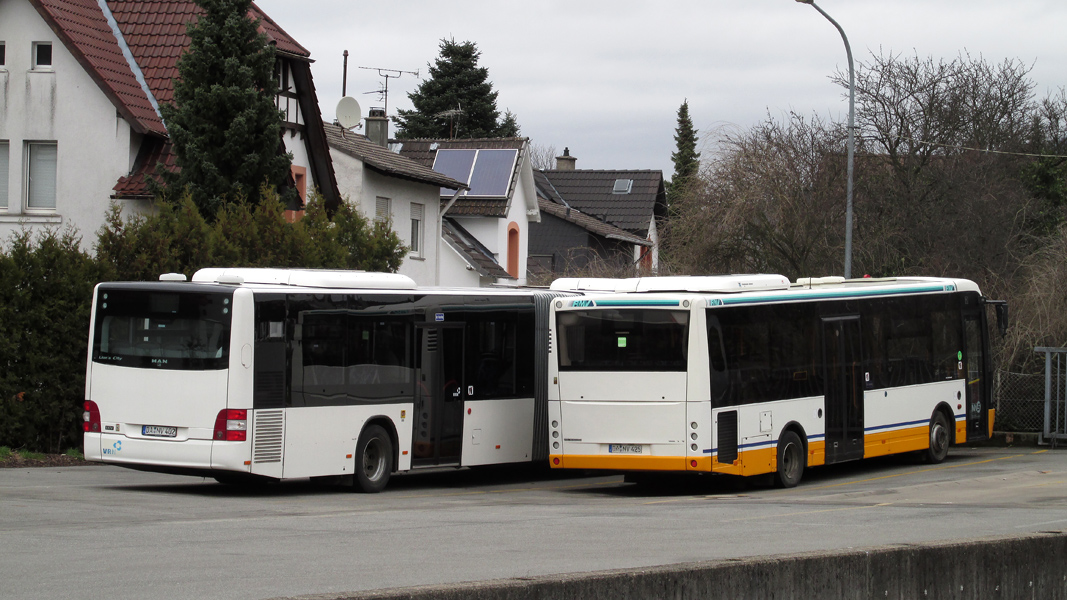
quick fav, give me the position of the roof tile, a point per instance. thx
(384, 160)
(590, 191)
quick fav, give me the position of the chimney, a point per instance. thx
(378, 127)
(565, 162)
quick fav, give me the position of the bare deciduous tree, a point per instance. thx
(542, 158)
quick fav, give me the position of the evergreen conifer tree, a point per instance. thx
(686, 159)
(457, 85)
(224, 125)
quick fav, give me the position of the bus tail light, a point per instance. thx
(231, 425)
(91, 417)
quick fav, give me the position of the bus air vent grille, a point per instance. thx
(727, 436)
(269, 432)
(431, 340)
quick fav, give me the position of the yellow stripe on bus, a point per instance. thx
(900, 440)
(757, 461)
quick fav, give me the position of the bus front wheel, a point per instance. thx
(790, 460)
(374, 460)
(939, 439)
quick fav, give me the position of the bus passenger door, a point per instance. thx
(843, 377)
(977, 386)
(440, 395)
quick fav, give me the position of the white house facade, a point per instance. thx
(80, 86)
(385, 186)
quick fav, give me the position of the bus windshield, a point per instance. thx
(162, 329)
(623, 340)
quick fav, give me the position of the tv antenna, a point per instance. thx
(451, 114)
(387, 74)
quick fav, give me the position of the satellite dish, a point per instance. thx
(348, 112)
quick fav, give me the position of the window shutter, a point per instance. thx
(5, 154)
(42, 184)
(381, 209)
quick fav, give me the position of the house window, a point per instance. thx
(5, 160)
(3, 54)
(622, 186)
(382, 210)
(416, 230)
(42, 55)
(41, 175)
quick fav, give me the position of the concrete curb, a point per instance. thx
(1030, 566)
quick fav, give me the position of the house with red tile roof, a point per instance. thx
(80, 86)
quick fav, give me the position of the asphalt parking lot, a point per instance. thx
(97, 531)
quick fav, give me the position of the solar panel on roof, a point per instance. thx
(456, 164)
(492, 173)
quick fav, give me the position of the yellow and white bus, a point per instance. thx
(268, 374)
(749, 375)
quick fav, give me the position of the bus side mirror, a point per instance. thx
(1002, 318)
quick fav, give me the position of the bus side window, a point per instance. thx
(720, 381)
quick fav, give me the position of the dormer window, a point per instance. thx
(42, 55)
(622, 186)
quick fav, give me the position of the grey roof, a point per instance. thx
(590, 191)
(477, 255)
(384, 160)
(590, 224)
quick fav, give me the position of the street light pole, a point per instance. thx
(851, 137)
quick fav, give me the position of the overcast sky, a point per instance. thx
(606, 78)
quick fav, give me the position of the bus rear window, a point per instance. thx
(162, 329)
(623, 340)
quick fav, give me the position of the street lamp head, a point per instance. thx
(806, 1)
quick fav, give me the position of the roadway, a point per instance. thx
(106, 532)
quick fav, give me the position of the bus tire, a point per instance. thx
(939, 439)
(374, 460)
(790, 460)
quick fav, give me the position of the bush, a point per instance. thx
(177, 239)
(46, 288)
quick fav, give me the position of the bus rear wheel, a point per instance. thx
(939, 439)
(790, 460)
(374, 460)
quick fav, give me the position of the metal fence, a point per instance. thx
(1020, 401)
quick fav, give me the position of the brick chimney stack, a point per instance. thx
(565, 162)
(378, 127)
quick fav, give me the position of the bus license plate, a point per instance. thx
(157, 431)
(625, 448)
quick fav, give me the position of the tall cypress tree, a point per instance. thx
(456, 101)
(686, 159)
(224, 125)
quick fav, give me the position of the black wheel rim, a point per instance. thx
(373, 460)
(938, 439)
(790, 461)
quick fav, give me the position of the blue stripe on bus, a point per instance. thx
(815, 437)
(837, 294)
(893, 425)
(906, 423)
